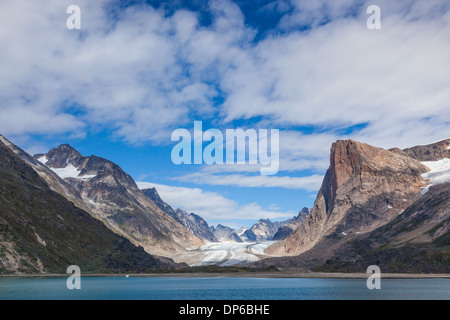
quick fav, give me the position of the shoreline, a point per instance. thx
(274, 275)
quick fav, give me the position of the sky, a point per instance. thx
(138, 70)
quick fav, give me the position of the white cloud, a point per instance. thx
(127, 73)
(212, 205)
(343, 74)
(309, 183)
(143, 73)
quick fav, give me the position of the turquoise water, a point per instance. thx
(97, 288)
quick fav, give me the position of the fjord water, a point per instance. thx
(165, 288)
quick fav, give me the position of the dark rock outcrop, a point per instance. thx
(249, 235)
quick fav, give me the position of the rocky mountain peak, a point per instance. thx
(100, 166)
(432, 152)
(224, 233)
(63, 155)
(305, 211)
(364, 188)
(113, 197)
(285, 230)
(153, 195)
(362, 166)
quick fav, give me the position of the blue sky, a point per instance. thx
(137, 70)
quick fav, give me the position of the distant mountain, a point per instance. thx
(246, 235)
(42, 231)
(153, 195)
(249, 236)
(194, 223)
(113, 197)
(264, 229)
(290, 225)
(385, 207)
(224, 233)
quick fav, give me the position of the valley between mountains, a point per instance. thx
(375, 206)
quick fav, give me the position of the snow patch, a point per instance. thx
(95, 203)
(5, 141)
(39, 239)
(390, 207)
(344, 233)
(241, 232)
(439, 173)
(70, 172)
(43, 160)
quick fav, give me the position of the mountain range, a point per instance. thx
(375, 206)
(262, 230)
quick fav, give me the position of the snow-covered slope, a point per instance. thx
(439, 173)
(68, 172)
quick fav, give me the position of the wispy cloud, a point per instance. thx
(212, 205)
(309, 183)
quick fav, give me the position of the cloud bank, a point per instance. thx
(141, 72)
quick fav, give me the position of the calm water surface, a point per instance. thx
(222, 289)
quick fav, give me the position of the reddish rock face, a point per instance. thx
(364, 188)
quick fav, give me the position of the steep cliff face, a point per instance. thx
(41, 231)
(364, 188)
(114, 198)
